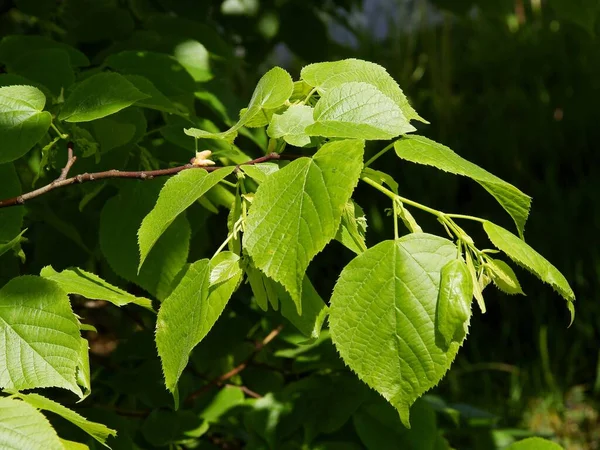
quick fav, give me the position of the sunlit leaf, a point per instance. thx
(273, 90)
(454, 301)
(23, 122)
(297, 211)
(88, 285)
(358, 110)
(39, 336)
(521, 253)
(386, 299)
(291, 125)
(327, 75)
(99, 96)
(178, 194)
(421, 150)
(24, 427)
(191, 310)
(98, 431)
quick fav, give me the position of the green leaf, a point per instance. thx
(454, 302)
(156, 99)
(291, 125)
(581, 12)
(98, 431)
(83, 362)
(22, 120)
(385, 299)
(298, 210)
(4, 247)
(89, 285)
(39, 336)
(99, 96)
(273, 90)
(120, 130)
(477, 289)
(72, 445)
(24, 427)
(421, 150)
(118, 239)
(534, 443)
(358, 110)
(314, 309)
(503, 276)
(14, 47)
(260, 172)
(353, 228)
(328, 75)
(180, 320)
(11, 219)
(227, 398)
(49, 67)
(164, 71)
(192, 55)
(179, 193)
(378, 427)
(527, 257)
(192, 309)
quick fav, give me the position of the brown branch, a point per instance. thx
(221, 379)
(63, 181)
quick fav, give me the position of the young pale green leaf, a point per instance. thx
(180, 321)
(83, 375)
(4, 247)
(88, 285)
(39, 336)
(534, 443)
(156, 99)
(297, 211)
(386, 299)
(291, 125)
(99, 96)
(260, 172)
(454, 302)
(503, 276)
(272, 90)
(358, 110)
(353, 228)
(527, 257)
(314, 309)
(477, 289)
(327, 75)
(263, 288)
(24, 427)
(98, 431)
(23, 122)
(178, 194)
(118, 239)
(191, 310)
(421, 150)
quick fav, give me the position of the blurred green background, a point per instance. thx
(508, 84)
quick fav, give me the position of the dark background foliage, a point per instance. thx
(510, 85)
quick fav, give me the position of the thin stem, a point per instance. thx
(462, 216)
(231, 236)
(62, 181)
(378, 154)
(61, 135)
(220, 380)
(396, 235)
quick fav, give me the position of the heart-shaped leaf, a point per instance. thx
(383, 313)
